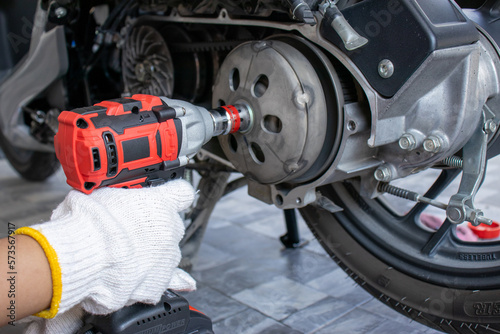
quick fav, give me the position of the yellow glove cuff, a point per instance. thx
(55, 270)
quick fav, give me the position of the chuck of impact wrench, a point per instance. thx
(139, 141)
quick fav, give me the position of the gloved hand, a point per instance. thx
(115, 247)
(68, 322)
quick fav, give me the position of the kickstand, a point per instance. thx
(291, 238)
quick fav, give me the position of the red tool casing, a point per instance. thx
(129, 142)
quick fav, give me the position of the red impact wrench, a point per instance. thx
(139, 141)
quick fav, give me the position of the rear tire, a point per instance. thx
(449, 307)
(31, 165)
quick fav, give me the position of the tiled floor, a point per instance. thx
(247, 282)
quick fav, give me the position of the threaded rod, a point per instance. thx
(409, 195)
(453, 161)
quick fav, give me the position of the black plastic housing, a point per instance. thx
(405, 32)
(171, 315)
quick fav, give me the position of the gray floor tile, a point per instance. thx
(318, 314)
(242, 242)
(273, 226)
(217, 222)
(210, 257)
(251, 322)
(270, 226)
(240, 274)
(279, 329)
(357, 321)
(282, 297)
(339, 285)
(388, 326)
(213, 303)
(306, 266)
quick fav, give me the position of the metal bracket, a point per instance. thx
(461, 205)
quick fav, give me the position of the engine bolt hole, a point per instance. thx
(260, 86)
(279, 200)
(221, 103)
(257, 153)
(272, 124)
(351, 125)
(234, 79)
(233, 143)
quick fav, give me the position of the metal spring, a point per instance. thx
(454, 161)
(395, 191)
(410, 195)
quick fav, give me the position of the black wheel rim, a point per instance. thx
(440, 258)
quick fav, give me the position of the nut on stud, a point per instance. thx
(432, 144)
(383, 174)
(490, 126)
(407, 142)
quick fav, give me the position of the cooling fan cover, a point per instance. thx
(147, 64)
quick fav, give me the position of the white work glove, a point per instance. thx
(68, 322)
(115, 247)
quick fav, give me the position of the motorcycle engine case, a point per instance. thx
(368, 129)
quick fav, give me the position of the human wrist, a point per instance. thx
(55, 269)
(65, 253)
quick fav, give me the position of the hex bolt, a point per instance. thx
(386, 68)
(432, 144)
(490, 126)
(407, 142)
(60, 12)
(383, 174)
